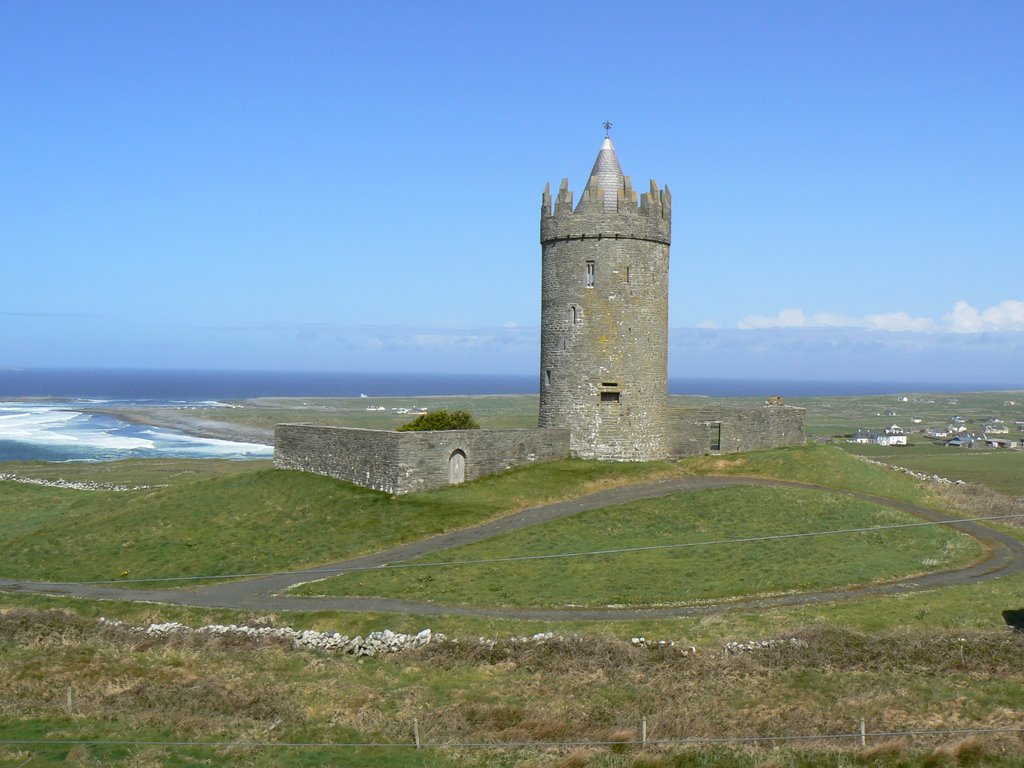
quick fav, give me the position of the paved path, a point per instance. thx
(268, 593)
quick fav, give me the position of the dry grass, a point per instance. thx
(979, 501)
(577, 689)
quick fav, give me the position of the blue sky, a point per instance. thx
(341, 186)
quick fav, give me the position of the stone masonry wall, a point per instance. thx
(366, 457)
(400, 462)
(604, 322)
(742, 429)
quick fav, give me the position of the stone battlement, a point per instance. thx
(651, 220)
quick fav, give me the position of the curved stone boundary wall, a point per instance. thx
(401, 462)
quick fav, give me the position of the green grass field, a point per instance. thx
(675, 576)
(920, 661)
(241, 519)
(1002, 471)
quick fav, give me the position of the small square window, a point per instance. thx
(609, 397)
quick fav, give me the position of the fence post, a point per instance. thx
(416, 731)
(643, 733)
(863, 734)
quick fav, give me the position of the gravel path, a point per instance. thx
(268, 593)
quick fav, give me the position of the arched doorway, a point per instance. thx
(457, 468)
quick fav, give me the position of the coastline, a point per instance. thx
(190, 422)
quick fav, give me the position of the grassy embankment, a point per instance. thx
(234, 519)
(685, 575)
(245, 517)
(63, 677)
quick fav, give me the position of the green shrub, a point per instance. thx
(442, 419)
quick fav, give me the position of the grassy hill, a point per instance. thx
(219, 522)
(921, 662)
(693, 572)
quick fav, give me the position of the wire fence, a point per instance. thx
(858, 738)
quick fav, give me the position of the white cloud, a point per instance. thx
(995, 360)
(1007, 316)
(444, 340)
(787, 318)
(832, 320)
(898, 321)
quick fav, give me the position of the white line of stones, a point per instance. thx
(374, 644)
(386, 642)
(917, 475)
(77, 485)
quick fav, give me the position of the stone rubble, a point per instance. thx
(916, 475)
(386, 642)
(752, 646)
(643, 642)
(77, 485)
(374, 644)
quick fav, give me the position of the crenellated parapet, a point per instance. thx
(650, 220)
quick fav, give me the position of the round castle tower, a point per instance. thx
(604, 315)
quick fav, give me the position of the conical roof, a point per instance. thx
(607, 175)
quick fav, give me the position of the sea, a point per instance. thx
(44, 416)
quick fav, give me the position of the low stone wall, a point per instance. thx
(691, 430)
(425, 455)
(366, 457)
(400, 462)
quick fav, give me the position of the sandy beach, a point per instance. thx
(190, 422)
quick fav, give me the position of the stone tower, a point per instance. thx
(604, 315)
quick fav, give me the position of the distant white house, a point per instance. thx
(894, 435)
(995, 429)
(937, 432)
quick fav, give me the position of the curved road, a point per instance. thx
(268, 593)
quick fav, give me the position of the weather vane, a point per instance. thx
(607, 126)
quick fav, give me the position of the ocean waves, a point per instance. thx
(59, 431)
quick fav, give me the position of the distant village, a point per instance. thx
(959, 432)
